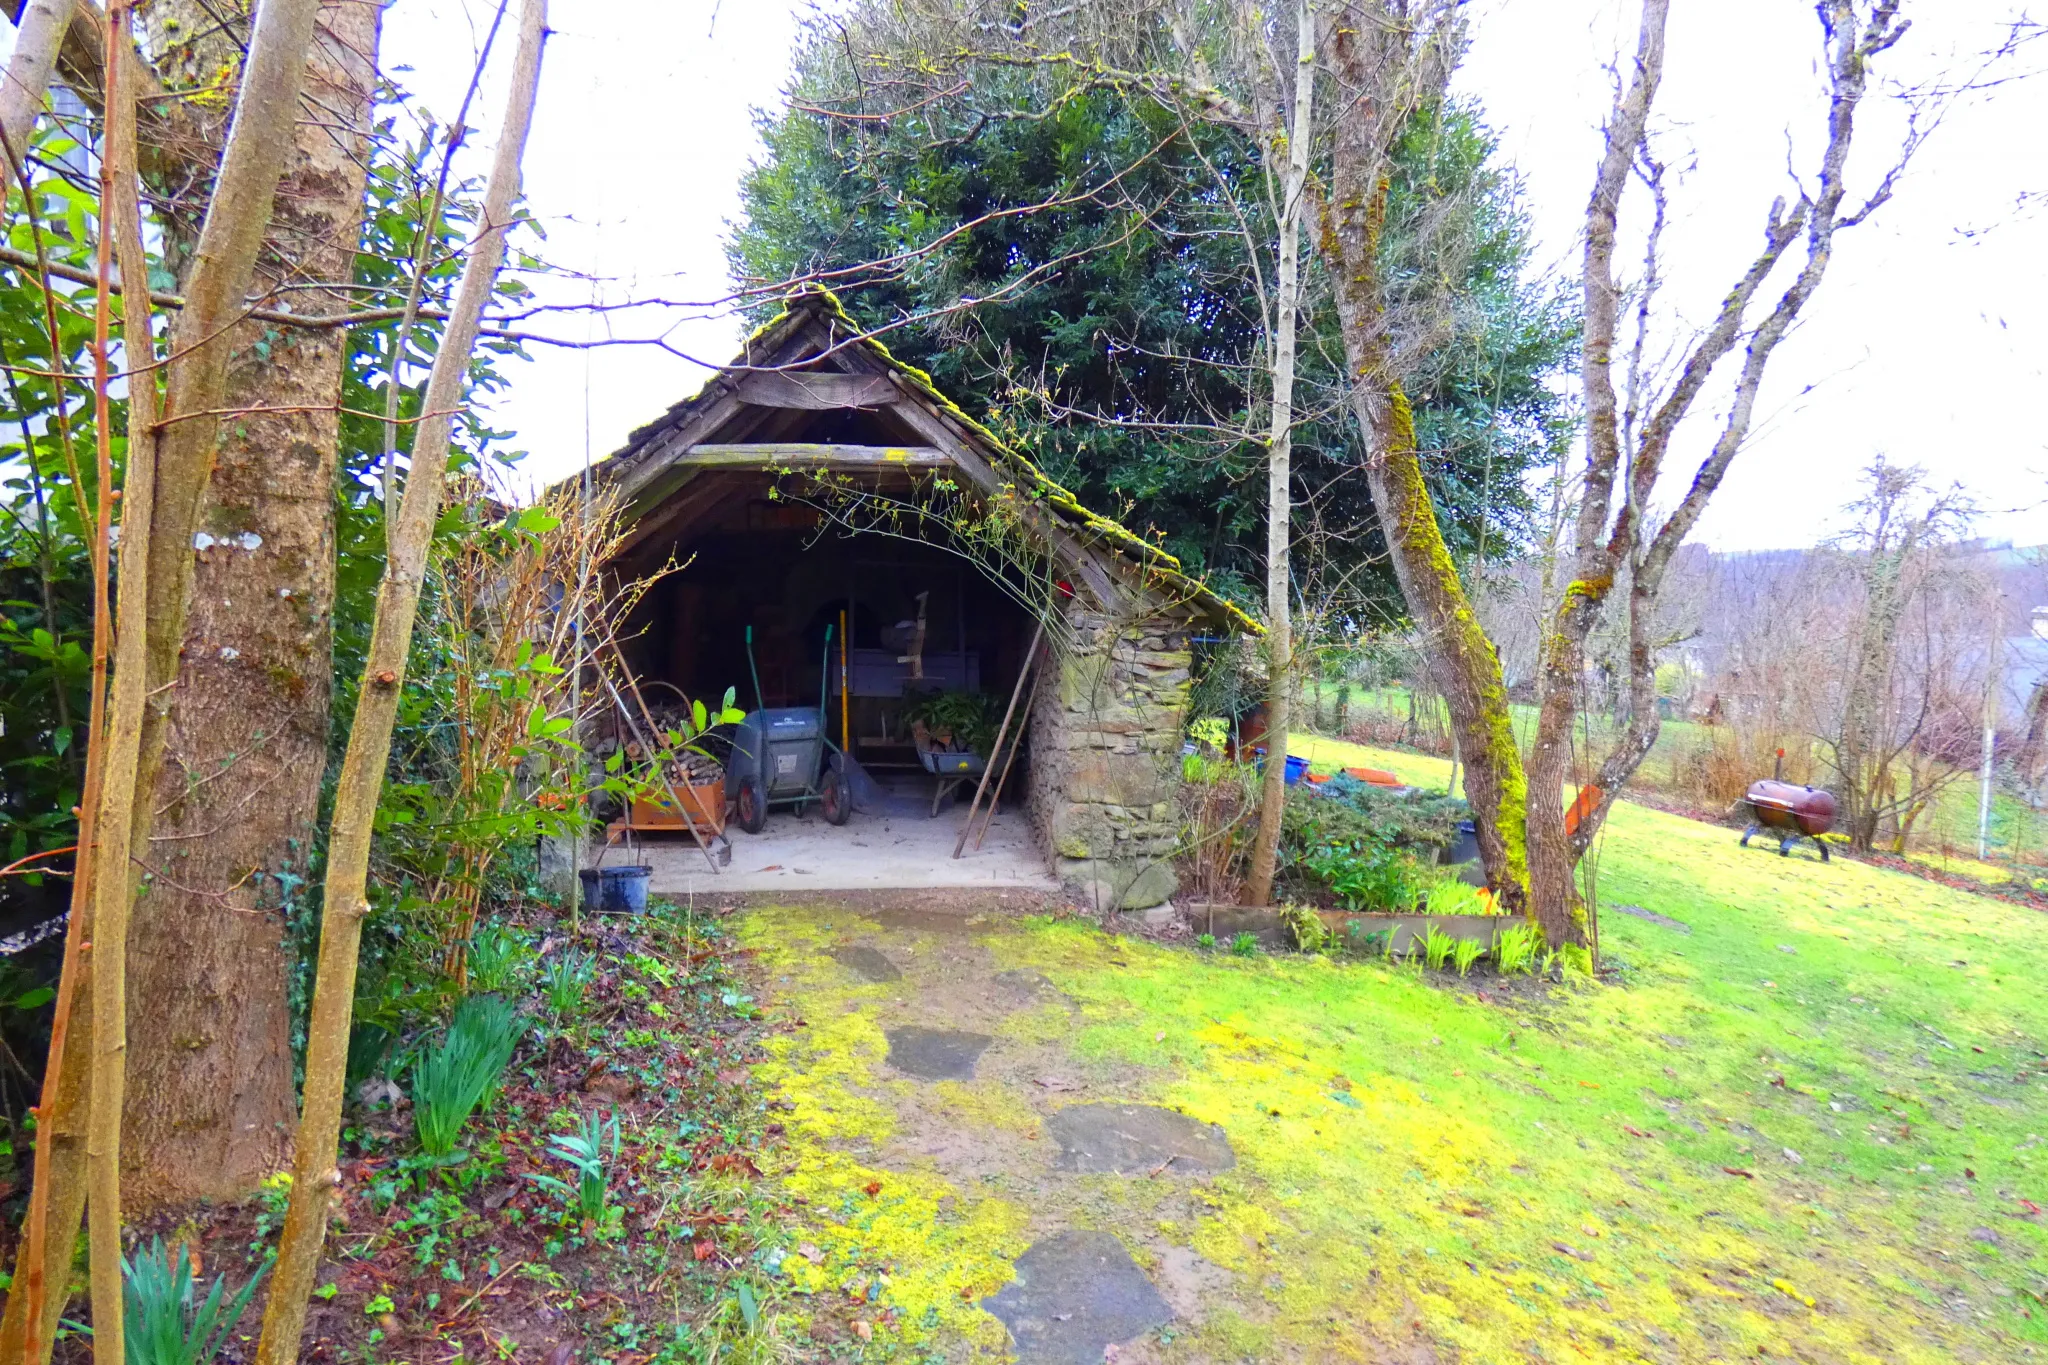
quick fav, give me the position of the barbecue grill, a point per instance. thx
(1791, 812)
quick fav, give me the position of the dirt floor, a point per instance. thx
(893, 842)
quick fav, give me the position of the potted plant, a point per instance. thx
(688, 765)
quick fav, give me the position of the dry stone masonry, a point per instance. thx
(1105, 755)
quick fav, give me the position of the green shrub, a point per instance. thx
(1205, 941)
(1449, 896)
(163, 1325)
(1306, 927)
(463, 1072)
(1514, 949)
(1366, 876)
(1245, 945)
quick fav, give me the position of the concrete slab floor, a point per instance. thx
(899, 847)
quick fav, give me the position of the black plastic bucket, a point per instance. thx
(622, 890)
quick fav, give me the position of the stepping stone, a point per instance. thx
(1637, 912)
(1076, 1293)
(1022, 983)
(935, 1054)
(869, 964)
(1135, 1139)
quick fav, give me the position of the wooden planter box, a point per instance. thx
(1348, 928)
(704, 803)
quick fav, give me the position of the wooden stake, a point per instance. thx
(1030, 662)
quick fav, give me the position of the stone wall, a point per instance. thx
(1105, 756)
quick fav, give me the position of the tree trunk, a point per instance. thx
(1462, 661)
(1279, 476)
(212, 1100)
(344, 897)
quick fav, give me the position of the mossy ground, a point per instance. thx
(1810, 1127)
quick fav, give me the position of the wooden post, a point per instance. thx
(1030, 660)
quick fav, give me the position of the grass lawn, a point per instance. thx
(1806, 1123)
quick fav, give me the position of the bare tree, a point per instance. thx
(1899, 659)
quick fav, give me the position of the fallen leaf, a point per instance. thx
(1794, 1157)
(1590, 1085)
(863, 1329)
(872, 1188)
(1633, 1131)
(810, 1252)
(1573, 1251)
(1056, 1084)
(1159, 1037)
(1778, 1081)
(731, 1076)
(1737, 1170)
(561, 1353)
(2033, 1209)
(1969, 1174)
(772, 867)
(1589, 1229)
(704, 1251)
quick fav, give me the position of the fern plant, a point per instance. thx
(463, 1072)
(164, 1326)
(1514, 950)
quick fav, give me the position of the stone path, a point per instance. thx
(950, 1013)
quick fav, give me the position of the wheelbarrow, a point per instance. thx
(778, 758)
(953, 768)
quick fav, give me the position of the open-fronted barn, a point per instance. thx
(816, 480)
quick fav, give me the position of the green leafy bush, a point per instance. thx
(967, 720)
(1245, 945)
(1365, 876)
(1449, 896)
(498, 958)
(1306, 927)
(463, 1072)
(164, 1326)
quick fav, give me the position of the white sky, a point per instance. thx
(1927, 341)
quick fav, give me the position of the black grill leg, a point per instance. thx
(1785, 846)
(1821, 844)
(1745, 835)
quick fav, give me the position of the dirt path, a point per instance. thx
(980, 1190)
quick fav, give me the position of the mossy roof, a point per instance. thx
(1159, 569)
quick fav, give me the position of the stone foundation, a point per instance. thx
(1105, 756)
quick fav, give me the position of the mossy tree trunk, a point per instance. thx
(1386, 63)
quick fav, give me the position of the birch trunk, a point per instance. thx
(1279, 478)
(38, 35)
(314, 1175)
